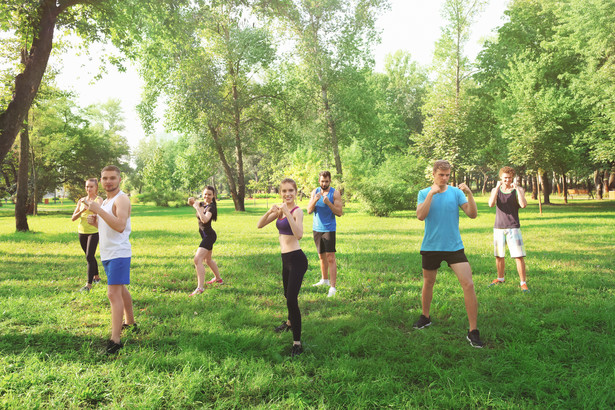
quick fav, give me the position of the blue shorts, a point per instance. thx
(118, 271)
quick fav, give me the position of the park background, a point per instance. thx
(239, 94)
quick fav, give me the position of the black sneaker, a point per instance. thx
(283, 327)
(474, 339)
(296, 350)
(422, 323)
(133, 328)
(85, 289)
(113, 347)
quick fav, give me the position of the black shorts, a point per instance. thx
(209, 238)
(433, 259)
(325, 242)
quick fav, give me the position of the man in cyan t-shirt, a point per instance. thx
(439, 206)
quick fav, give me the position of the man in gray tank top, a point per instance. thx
(113, 221)
(507, 230)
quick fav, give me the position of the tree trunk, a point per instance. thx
(546, 187)
(565, 188)
(605, 182)
(598, 184)
(538, 195)
(228, 171)
(331, 126)
(534, 187)
(611, 183)
(29, 80)
(484, 183)
(21, 206)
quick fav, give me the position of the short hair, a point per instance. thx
(442, 164)
(94, 180)
(325, 174)
(111, 168)
(507, 170)
(289, 181)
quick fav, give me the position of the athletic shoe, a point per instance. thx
(132, 327)
(113, 347)
(283, 327)
(332, 292)
(322, 282)
(214, 280)
(85, 289)
(524, 287)
(474, 339)
(496, 282)
(296, 350)
(422, 323)
(96, 280)
(197, 291)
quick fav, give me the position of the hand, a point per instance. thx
(196, 205)
(284, 209)
(93, 206)
(436, 189)
(318, 196)
(191, 201)
(325, 198)
(498, 185)
(465, 188)
(92, 219)
(275, 209)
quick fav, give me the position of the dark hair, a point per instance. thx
(213, 207)
(111, 168)
(289, 181)
(325, 174)
(441, 164)
(507, 170)
(94, 180)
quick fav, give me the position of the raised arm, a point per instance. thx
(493, 198)
(422, 209)
(314, 197)
(520, 196)
(78, 210)
(118, 218)
(201, 214)
(270, 216)
(295, 220)
(336, 206)
(469, 207)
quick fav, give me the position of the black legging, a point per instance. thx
(89, 242)
(294, 266)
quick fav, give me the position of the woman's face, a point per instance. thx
(208, 196)
(91, 188)
(288, 192)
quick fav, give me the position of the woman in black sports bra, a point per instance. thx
(206, 211)
(289, 221)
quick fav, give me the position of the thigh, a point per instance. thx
(328, 241)
(83, 241)
(463, 272)
(93, 243)
(499, 242)
(515, 243)
(318, 242)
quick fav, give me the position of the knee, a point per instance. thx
(197, 260)
(331, 258)
(468, 285)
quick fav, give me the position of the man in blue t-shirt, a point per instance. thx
(326, 203)
(439, 206)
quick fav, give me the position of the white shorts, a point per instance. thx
(512, 237)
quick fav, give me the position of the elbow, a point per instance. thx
(473, 215)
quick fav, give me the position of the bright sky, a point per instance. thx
(410, 25)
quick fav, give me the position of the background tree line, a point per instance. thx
(256, 89)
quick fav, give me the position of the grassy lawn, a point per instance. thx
(553, 347)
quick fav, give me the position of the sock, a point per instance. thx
(502, 279)
(521, 283)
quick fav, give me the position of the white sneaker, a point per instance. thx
(332, 291)
(321, 282)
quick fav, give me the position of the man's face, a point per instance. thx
(441, 177)
(110, 180)
(506, 179)
(324, 182)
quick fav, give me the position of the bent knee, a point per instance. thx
(330, 258)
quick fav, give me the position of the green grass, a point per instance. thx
(553, 347)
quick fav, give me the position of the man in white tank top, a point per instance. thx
(113, 221)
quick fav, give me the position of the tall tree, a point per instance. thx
(331, 37)
(35, 22)
(447, 108)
